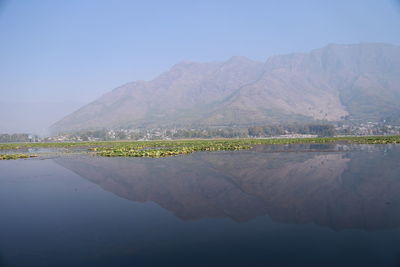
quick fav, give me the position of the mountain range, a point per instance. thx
(358, 82)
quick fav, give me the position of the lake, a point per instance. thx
(276, 205)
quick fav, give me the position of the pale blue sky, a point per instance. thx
(76, 50)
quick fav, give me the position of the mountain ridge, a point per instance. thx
(356, 81)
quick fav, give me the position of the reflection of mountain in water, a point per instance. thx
(356, 189)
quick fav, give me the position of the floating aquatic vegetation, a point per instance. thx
(15, 156)
(158, 149)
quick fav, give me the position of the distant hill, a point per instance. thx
(336, 82)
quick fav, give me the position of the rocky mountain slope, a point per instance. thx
(359, 82)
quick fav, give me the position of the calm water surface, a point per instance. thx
(298, 205)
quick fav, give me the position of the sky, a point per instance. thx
(57, 54)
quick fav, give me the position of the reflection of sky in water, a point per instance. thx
(336, 206)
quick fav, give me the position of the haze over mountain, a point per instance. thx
(336, 82)
(33, 116)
